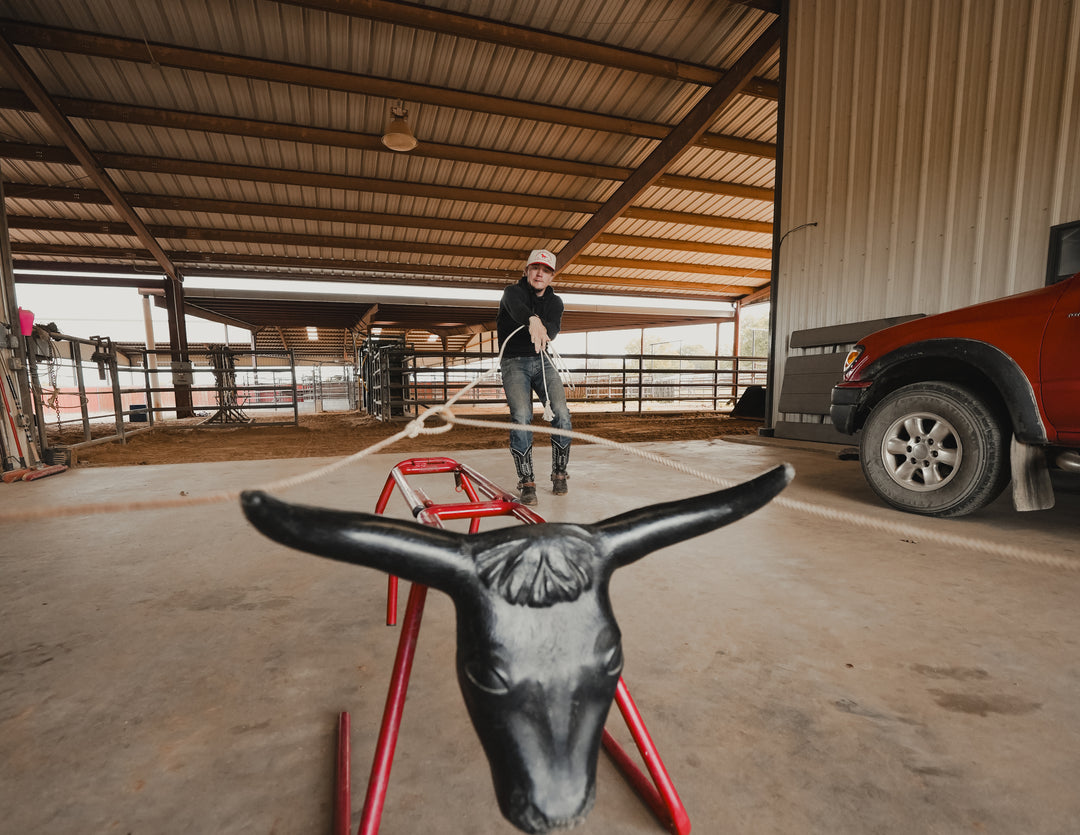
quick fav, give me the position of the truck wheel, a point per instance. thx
(935, 448)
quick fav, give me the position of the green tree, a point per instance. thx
(754, 331)
(659, 346)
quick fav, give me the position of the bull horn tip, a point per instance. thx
(251, 499)
(780, 476)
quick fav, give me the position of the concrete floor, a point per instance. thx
(174, 672)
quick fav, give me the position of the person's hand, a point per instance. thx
(538, 333)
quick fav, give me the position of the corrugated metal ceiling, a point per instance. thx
(635, 139)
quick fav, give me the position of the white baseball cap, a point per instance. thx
(541, 256)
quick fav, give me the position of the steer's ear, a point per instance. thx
(414, 552)
(630, 536)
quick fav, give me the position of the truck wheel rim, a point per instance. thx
(921, 452)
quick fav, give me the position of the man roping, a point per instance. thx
(526, 368)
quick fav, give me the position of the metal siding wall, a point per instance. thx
(934, 143)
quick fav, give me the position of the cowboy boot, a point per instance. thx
(526, 481)
(560, 457)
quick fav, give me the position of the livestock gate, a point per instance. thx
(399, 382)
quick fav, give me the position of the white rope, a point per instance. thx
(549, 415)
(903, 530)
(417, 427)
(560, 369)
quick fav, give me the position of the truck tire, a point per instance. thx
(937, 449)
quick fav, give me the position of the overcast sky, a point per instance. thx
(118, 312)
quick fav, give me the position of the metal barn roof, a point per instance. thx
(242, 138)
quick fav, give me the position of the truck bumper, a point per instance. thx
(844, 408)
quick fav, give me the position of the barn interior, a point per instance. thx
(326, 177)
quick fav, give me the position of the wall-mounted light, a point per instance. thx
(398, 136)
(313, 333)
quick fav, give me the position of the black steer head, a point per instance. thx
(538, 648)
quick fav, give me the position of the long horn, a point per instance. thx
(405, 549)
(631, 535)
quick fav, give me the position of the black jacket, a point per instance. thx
(519, 302)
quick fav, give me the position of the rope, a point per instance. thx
(900, 529)
(560, 369)
(417, 427)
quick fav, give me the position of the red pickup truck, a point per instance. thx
(952, 406)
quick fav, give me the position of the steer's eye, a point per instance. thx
(614, 663)
(609, 649)
(488, 678)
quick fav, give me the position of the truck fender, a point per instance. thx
(1012, 384)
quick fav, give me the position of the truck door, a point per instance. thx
(1060, 364)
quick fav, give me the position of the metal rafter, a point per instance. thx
(684, 134)
(168, 55)
(181, 256)
(283, 131)
(255, 254)
(761, 295)
(263, 174)
(524, 37)
(33, 273)
(24, 76)
(380, 272)
(281, 210)
(225, 235)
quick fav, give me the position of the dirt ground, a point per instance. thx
(343, 433)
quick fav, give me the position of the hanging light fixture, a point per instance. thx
(398, 137)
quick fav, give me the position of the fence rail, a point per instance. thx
(80, 385)
(400, 383)
(89, 391)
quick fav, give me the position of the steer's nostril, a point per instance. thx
(561, 810)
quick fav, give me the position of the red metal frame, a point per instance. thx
(342, 788)
(656, 790)
(659, 792)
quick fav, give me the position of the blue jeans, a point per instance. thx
(521, 376)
